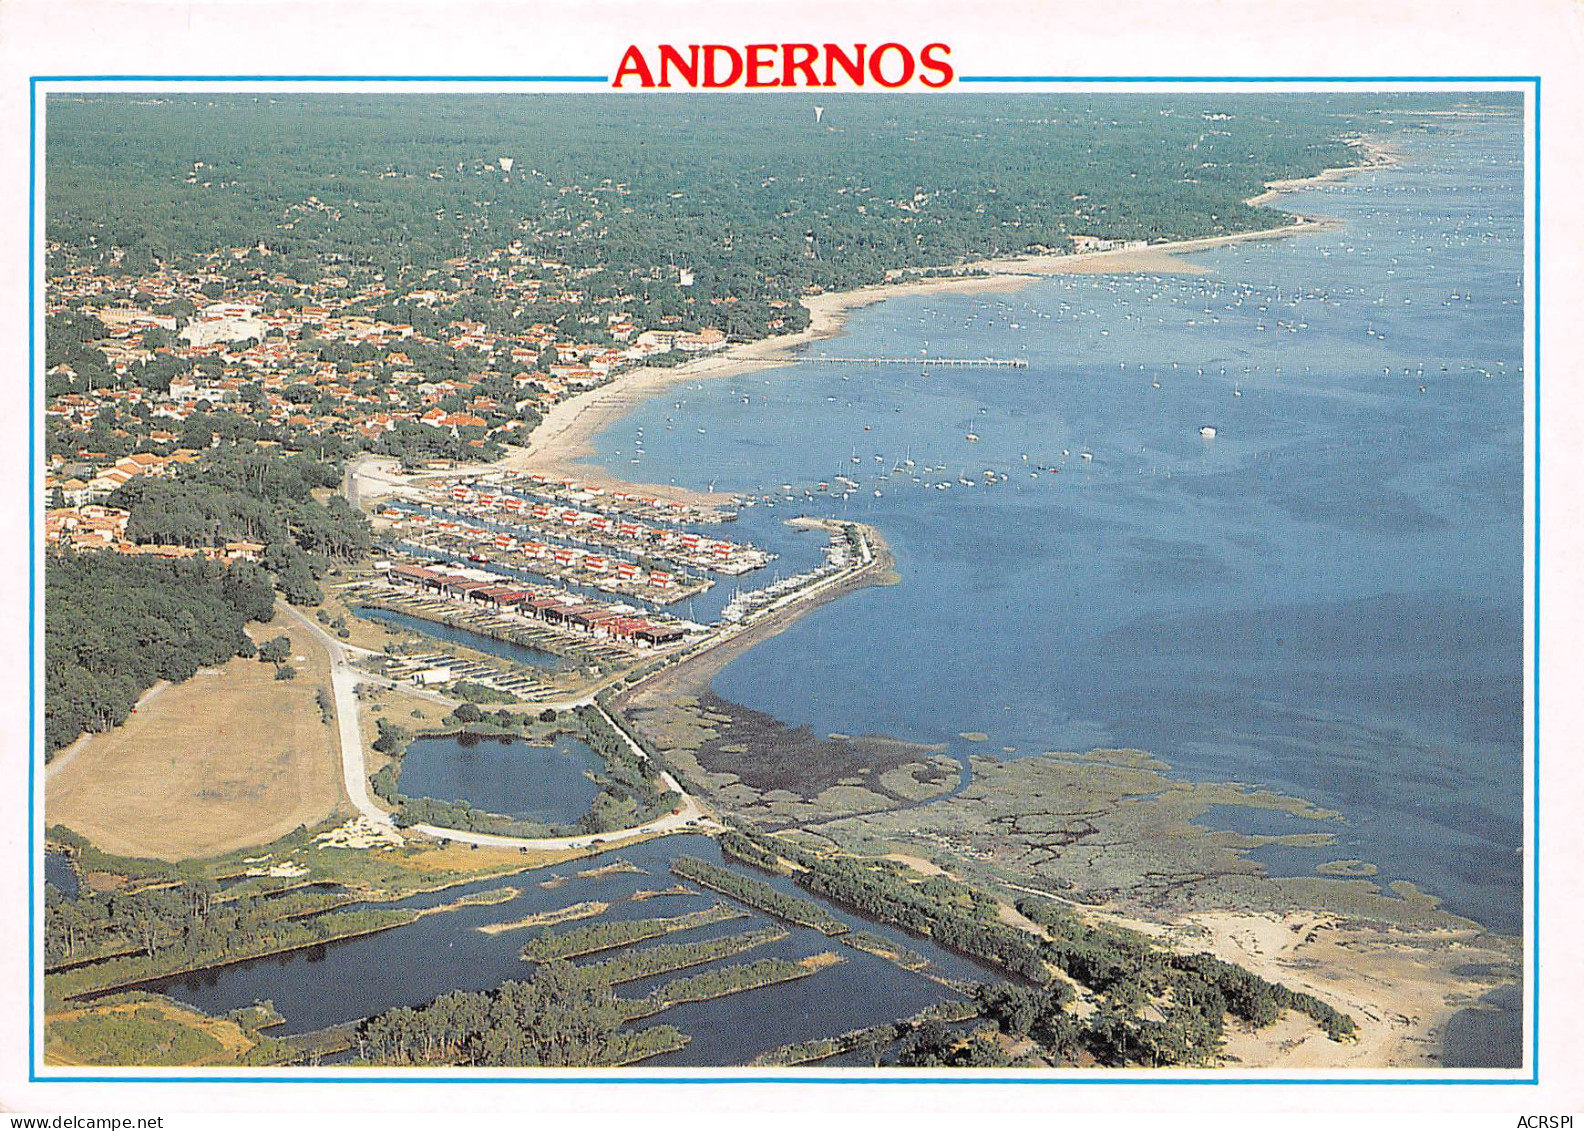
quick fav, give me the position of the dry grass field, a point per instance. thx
(231, 758)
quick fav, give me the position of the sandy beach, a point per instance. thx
(566, 434)
(1400, 987)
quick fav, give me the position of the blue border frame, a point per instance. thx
(1108, 1079)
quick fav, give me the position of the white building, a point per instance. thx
(224, 322)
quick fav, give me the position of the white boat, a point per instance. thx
(1208, 432)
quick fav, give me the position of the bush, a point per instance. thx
(275, 651)
(392, 738)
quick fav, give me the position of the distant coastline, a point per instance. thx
(564, 439)
(1377, 155)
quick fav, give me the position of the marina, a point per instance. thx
(633, 504)
(517, 653)
(531, 557)
(565, 615)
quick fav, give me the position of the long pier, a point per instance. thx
(923, 361)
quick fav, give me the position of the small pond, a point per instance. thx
(504, 775)
(59, 872)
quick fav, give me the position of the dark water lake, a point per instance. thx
(410, 965)
(504, 775)
(489, 645)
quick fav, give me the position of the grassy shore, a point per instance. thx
(621, 933)
(727, 981)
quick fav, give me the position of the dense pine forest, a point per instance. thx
(753, 195)
(115, 625)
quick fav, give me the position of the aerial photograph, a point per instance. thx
(819, 583)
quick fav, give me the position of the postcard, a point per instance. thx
(921, 559)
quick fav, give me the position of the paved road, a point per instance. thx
(365, 477)
(689, 816)
(343, 682)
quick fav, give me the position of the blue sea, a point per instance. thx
(1326, 597)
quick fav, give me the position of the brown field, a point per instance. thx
(231, 758)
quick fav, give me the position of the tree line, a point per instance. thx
(615, 933)
(559, 1018)
(244, 492)
(1154, 1006)
(758, 895)
(758, 201)
(114, 625)
(187, 924)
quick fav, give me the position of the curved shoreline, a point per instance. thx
(1403, 1024)
(1377, 155)
(563, 444)
(1403, 1028)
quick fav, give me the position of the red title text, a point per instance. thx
(715, 66)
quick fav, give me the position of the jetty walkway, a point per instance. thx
(923, 360)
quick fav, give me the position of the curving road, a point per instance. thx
(343, 683)
(690, 816)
